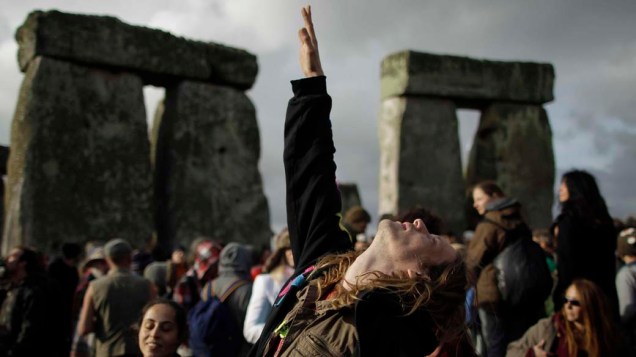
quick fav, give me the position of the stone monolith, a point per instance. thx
(207, 181)
(513, 145)
(420, 163)
(79, 167)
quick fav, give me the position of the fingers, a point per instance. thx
(303, 36)
(309, 24)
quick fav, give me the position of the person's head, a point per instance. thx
(95, 261)
(178, 255)
(357, 218)
(71, 253)
(118, 253)
(22, 262)
(586, 306)
(282, 255)
(163, 326)
(205, 258)
(423, 269)
(485, 192)
(236, 259)
(434, 223)
(580, 193)
(626, 245)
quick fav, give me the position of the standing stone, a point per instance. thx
(513, 146)
(349, 196)
(207, 181)
(420, 161)
(79, 167)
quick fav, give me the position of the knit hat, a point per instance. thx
(626, 244)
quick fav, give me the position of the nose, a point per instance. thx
(154, 332)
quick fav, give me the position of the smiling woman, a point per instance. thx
(163, 327)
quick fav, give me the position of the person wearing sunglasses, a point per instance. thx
(582, 327)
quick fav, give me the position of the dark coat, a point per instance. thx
(490, 239)
(585, 250)
(29, 319)
(313, 216)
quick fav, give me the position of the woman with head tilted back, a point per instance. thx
(403, 296)
(580, 328)
(585, 237)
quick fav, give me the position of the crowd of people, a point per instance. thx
(323, 288)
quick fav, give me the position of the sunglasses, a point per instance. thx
(571, 301)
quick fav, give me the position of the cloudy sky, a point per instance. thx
(592, 45)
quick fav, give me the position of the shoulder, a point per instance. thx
(263, 281)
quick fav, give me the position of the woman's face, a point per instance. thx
(564, 194)
(480, 200)
(400, 247)
(572, 308)
(159, 333)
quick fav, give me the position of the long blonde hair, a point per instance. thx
(600, 335)
(442, 291)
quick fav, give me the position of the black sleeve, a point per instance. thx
(313, 199)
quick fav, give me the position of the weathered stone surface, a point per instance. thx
(206, 172)
(349, 196)
(158, 56)
(4, 157)
(420, 160)
(513, 146)
(462, 78)
(79, 167)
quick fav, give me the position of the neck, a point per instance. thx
(628, 259)
(579, 326)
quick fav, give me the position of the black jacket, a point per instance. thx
(585, 250)
(313, 216)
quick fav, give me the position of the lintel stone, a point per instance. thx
(158, 56)
(415, 73)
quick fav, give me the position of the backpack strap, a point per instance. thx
(235, 285)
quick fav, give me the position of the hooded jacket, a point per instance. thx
(235, 263)
(502, 216)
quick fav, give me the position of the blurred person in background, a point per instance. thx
(502, 225)
(626, 284)
(278, 269)
(113, 303)
(31, 322)
(585, 238)
(582, 327)
(204, 267)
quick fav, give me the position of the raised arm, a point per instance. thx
(313, 200)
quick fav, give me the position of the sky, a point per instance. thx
(591, 44)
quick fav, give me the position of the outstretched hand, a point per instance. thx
(309, 56)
